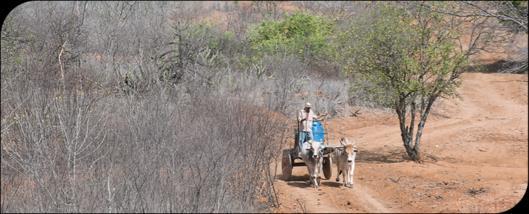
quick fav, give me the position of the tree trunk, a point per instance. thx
(407, 132)
(415, 151)
(401, 112)
(420, 127)
(409, 148)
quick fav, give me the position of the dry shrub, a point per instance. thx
(155, 153)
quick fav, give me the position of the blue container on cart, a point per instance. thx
(317, 131)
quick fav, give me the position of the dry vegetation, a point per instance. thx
(96, 118)
(155, 106)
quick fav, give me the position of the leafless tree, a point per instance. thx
(510, 17)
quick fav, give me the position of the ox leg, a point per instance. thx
(351, 179)
(344, 174)
(338, 176)
(351, 176)
(311, 173)
(348, 179)
(351, 172)
(313, 180)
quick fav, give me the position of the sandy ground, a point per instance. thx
(475, 152)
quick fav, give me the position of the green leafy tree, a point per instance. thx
(412, 57)
(300, 34)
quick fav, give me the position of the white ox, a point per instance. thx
(312, 155)
(344, 157)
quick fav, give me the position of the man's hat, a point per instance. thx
(307, 105)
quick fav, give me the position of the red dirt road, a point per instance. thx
(475, 152)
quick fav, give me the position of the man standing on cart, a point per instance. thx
(305, 118)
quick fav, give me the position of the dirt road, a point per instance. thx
(475, 152)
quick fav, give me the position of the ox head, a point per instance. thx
(349, 149)
(316, 149)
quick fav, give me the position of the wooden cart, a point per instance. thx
(291, 155)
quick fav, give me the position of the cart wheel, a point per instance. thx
(327, 167)
(286, 164)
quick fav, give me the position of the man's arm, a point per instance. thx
(321, 116)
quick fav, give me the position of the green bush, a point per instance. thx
(301, 34)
